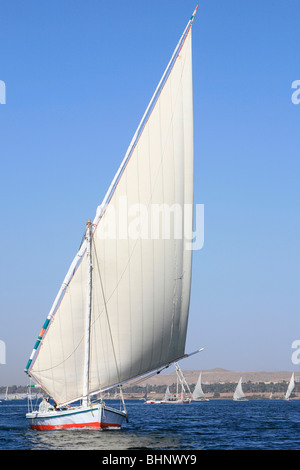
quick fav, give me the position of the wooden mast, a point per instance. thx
(88, 237)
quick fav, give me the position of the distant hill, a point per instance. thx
(219, 375)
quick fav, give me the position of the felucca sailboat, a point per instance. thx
(198, 394)
(122, 309)
(238, 393)
(290, 388)
(182, 395)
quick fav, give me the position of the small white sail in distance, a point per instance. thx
(238, 393)
(290, 388)
(140, 288)
(198, 393)
(167, 393)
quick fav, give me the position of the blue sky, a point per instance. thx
(79, 75)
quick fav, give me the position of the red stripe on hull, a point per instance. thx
(50, 427)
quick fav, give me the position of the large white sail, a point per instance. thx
(290, 388)
(140, 284)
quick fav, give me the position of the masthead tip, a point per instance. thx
(195, 11)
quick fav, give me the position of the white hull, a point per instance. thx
(168, 402)
(96, 416)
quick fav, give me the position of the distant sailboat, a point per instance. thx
(144, 398)
(290, 388)
(122, 309)
(182, 395)
(198, 394)
(238, 393)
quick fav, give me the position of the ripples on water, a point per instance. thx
(217, 424)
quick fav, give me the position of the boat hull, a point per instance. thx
(97, 416)
(167, 402)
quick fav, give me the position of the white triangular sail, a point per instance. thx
(167, 394)
(140, 284)
(290, 388)
(198, 393)
(238, 393)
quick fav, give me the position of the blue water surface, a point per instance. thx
(215, 424)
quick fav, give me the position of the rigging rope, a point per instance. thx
(106, 311)
(109, 328)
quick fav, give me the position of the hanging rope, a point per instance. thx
(110, 333)
(106, 312)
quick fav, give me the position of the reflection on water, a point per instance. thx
(99, 440)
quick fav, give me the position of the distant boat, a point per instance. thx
(144, 398)
(198, 394)
(238, 393)
(154, 401)
(122, 309)
(182, 395)
(290, 388)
